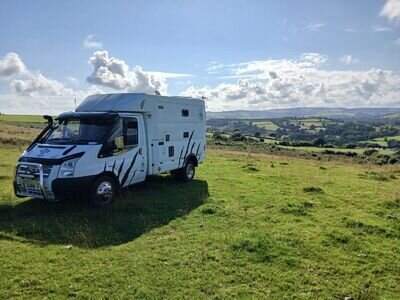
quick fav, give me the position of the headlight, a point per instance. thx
(67, 168)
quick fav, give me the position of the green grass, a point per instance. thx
(267, 125)
(22, 118)
(381, 141)
(249, 226)
(27, 121)
(344, 150)
(270, 228)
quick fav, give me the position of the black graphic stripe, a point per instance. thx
(128, 170)
(120, 168)
(69, 150)
(133, 176)
(105, 166)
(180, 156)
(197, 151)
(191, 149)
(187, 147)
(113, 167)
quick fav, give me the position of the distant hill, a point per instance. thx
(336, 113)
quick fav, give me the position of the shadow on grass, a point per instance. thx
(138, 210)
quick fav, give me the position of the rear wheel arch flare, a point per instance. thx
(192, 158)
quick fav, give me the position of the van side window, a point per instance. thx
(185, 113)
(171, 151)
(130, 132)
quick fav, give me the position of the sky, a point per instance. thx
(237, 54)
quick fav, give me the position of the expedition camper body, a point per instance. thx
(110, 142)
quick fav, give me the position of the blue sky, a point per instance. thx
(239, 54)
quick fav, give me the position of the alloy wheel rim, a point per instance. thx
(190, 171)
(104, 191)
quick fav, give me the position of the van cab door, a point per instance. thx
(128, 161)
(134, 135)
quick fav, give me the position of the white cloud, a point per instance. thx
(90, 43)
(214, 67)
(379, 28)
(11, 65)
(74, 81)
(397, 42)
(115, 73)
(169, 75)
(303, 82)
(348, 60)
(315, 26)
(351, 29)
(37, 84)
(391, 10)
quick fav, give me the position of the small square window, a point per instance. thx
(186, 134)
(167, 137)
(185, 113)
(171, 151)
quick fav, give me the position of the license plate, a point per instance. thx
(30, 184)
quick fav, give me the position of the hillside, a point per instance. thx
(341, 113)
(248, 226)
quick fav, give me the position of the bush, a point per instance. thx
(351, 146)
(369, 152)
(217, 136)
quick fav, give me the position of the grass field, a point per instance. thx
(383, 141)
(270, 227)
(343, 150)
(27, 121)
(21, 118)
(267, 125)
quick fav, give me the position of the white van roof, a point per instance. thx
(126, 102)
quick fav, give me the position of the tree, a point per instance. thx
(319, 142)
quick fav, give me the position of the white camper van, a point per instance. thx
(110, 142)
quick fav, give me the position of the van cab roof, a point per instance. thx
(125, 102)
(87, 115)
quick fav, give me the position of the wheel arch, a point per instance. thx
(112, 175)
(192, 158)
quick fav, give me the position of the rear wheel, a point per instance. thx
(103, 192)
(187, 173)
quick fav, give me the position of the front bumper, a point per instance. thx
(35, 180)
(66, 187)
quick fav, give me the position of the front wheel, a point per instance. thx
(103, 192)
(187, 173)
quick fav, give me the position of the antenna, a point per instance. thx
(75, 102)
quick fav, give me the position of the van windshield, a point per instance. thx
(79, 131)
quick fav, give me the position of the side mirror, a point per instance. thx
(119, 143)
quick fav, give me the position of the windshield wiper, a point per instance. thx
(59, 139)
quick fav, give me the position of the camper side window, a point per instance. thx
(130, 132)
(115, 139)
(185, 113)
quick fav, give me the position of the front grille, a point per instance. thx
(33, 171)
(28, 179)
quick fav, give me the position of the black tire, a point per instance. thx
(103, 192)
(187, 173)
